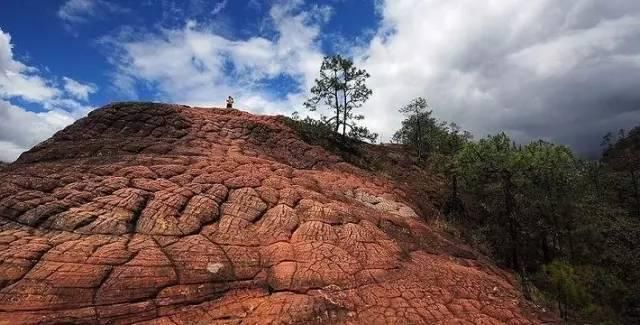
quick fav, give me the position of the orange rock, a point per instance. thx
(165, 214)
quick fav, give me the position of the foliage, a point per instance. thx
(425, 134)
(311, 128)
(418, 129)
(362, 133)
(564, 224)
(489, 170)
(341, 88)
(569, 227)
(319, 132)
(565, 286)
(624, 159)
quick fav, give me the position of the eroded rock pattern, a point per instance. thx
(164, 214)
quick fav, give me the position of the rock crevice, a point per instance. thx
(166, 214)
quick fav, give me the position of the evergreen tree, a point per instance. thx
(425, 134)
(565, 225)
(624, 160)
(413, 131)
(341, 88)
(489, 170)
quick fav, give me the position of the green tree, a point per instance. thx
(413, 131)
(565, 286)
(341, 88)
(570, 224)
(624, 159)
(489, 169)
(426, 134)
(548, 190)
(456, 139)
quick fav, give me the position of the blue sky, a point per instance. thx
(63, 41)
(560, 71)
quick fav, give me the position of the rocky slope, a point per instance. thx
(166, 214)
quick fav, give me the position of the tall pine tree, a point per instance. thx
(341, 88)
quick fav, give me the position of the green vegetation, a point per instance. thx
(319, 132)
(341, 88)
(424, 133)
(565, 225)
(569, 227)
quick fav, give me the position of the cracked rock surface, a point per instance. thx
(164, 214)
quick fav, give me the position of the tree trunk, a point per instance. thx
(337, 107)
(596, 181)
(636, 194)
(345, 109)
(512, 223)
(515, 262)
(570, 241)
(344, 122)
(525, 284)
(337, 115)
(418, 137)
(546, 253)
(454, 189)
(454, 203)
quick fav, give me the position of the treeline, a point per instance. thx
(569, 227)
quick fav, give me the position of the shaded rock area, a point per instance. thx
(166, 214)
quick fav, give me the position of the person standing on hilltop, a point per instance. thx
(229, 102)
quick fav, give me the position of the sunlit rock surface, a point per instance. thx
(165, 214)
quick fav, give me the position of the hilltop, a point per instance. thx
(158, 213)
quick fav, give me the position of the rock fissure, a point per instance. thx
(161, 213)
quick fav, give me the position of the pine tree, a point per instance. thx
(341, 87)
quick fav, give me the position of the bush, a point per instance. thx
(560, 280)
(310, 128)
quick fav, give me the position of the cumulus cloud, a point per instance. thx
(20, 129)
(9, 151)
(560, 70)
(196, 65)
(81, 11)
(19, 80)
(79, 90)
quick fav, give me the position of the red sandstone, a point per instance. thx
(164, 214)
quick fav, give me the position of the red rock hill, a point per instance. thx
(166, 214)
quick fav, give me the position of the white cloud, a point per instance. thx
(563, 71)
(565, 52)
(19, 80)
(196, 65)
(80, 11)
(20, 128)
(218, 7)
(535, 68)
(254, 4)
(79, 90)
(9, 151)
(76, 10)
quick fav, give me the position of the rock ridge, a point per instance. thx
(167, 214)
